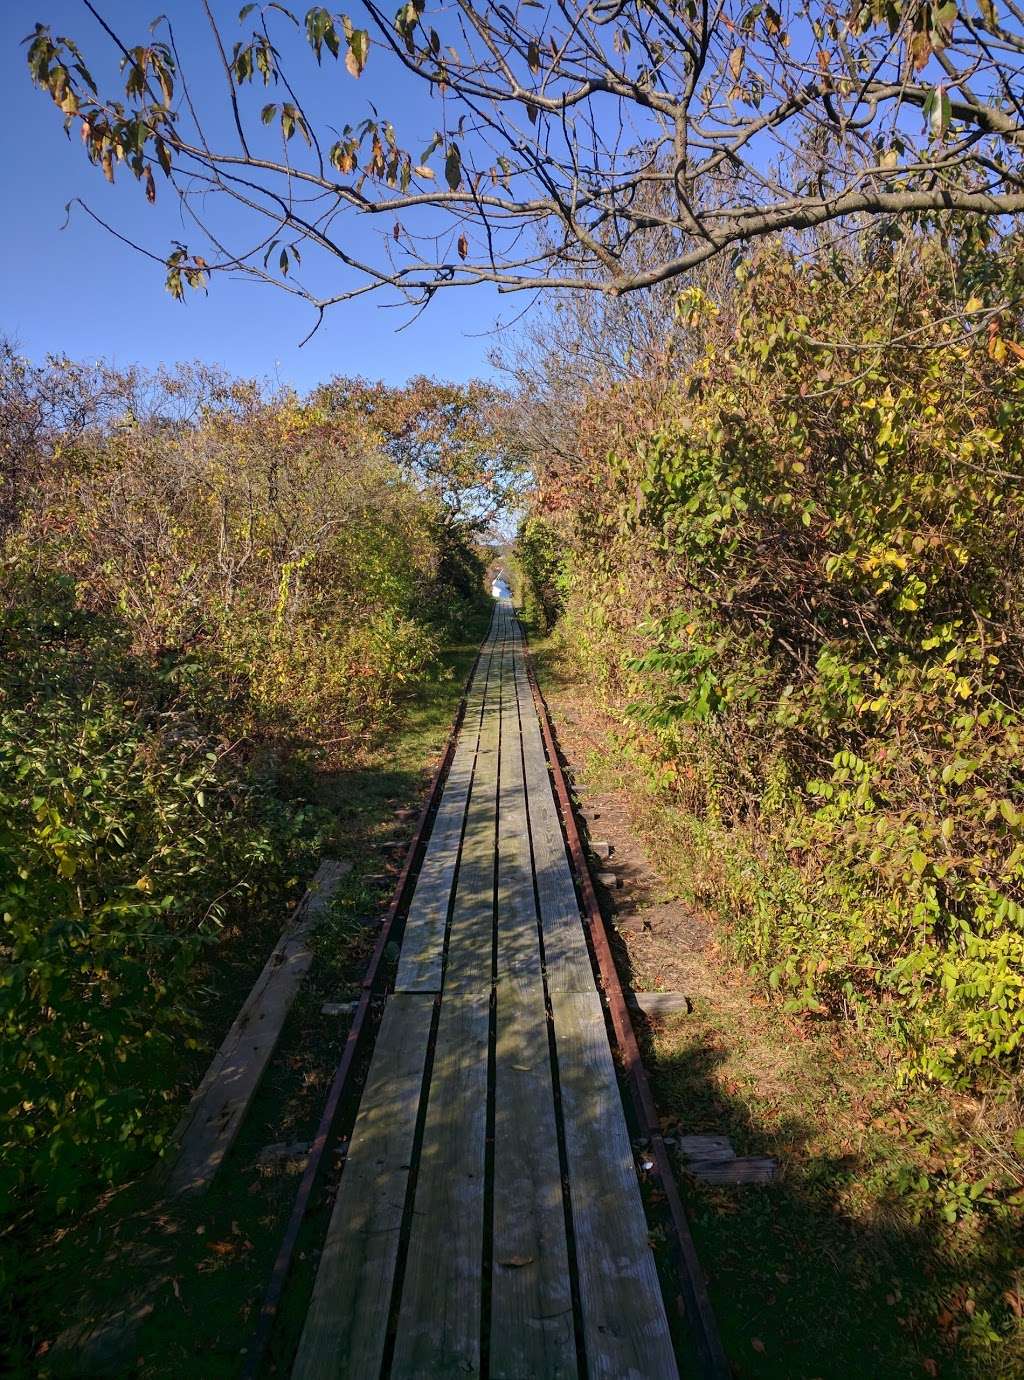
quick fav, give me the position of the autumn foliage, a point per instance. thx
(792, 565)
(207, 595)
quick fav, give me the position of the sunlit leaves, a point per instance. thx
(405, 23)
(937, 111)
(184, 269)
(321, 33)
(256, 56)
(358, 50)
(292, 119)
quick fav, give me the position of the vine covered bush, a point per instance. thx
(797, 575)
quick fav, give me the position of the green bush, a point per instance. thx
(201, 588)
(813, 561)
(127, 835)
(542, 574)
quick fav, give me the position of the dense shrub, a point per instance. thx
(799, 578)
(128, 833)
(541, 576)
(200, 583)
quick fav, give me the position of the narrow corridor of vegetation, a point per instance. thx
(225, 616)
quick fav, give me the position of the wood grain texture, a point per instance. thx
(439, 1316)
(566, 958)
(742, 1169)
(625, 1328)
(346, 1326)
(421, 963)
(218, 1107)
(662, 1003)
(518, 947)
(471, 937)
(532, 1330)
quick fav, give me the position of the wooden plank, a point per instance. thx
(625, 1329)
(439, 1316)
(346, 1325)
(518, 947)
(662, 1003)
(218, 1107)
(471, 937)
(744, 1169)
(566, 959)
(421, 961)
(532, 1330)
(705, 1148)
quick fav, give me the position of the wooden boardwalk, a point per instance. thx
(489, 1218)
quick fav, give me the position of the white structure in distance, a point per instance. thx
(499, 586)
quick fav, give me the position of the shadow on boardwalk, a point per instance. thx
(191, 1274)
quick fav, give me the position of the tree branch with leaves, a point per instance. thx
(606, 146)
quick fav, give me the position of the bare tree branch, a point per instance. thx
(598, 146)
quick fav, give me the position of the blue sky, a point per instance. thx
(79, 292)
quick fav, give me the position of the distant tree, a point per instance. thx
(607, 146)
(455, 439)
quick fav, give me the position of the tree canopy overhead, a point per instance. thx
(609, 146)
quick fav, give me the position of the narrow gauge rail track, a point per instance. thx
(489, 1219)
(358, 1033)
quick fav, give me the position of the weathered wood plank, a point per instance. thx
(625, 1330)
(532, 1331)
(704, 1148)
(218, 1107)
(421, 961)
(471, 937)
(662, 1003)
(566, 959)
(346, 1325)
(743, 1169)
(518, 947)
(439, 1316)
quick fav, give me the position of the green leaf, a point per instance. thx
(937, 111)
(453, 167)
(358, 49)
